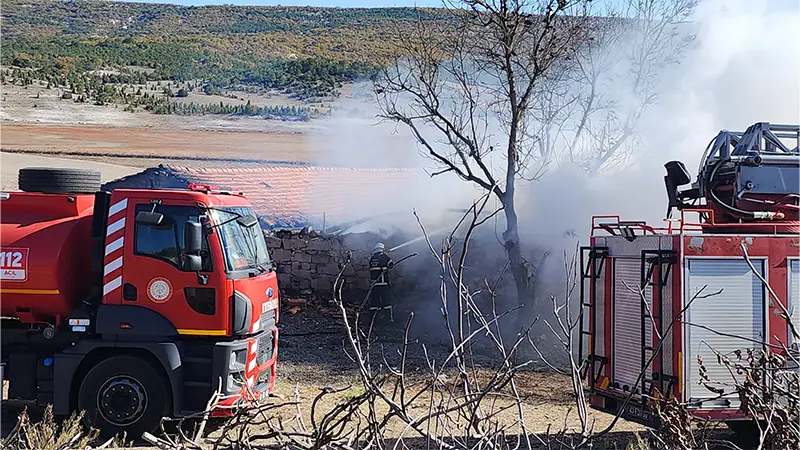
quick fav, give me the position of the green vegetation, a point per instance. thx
(137, 92)
(282, 112)
(83, 18)
(183, 61)
(95, 49)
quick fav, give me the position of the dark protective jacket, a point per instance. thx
(379, 265)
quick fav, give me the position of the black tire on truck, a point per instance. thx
(124, 394)
(746, 433)
(59, 181)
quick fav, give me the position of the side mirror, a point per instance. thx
(150, 219)
(677, 172)
(192, 263)
(676, 176)
(193, 239)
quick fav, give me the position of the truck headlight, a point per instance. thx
(238, 359)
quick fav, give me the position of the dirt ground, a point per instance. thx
(338, 143)
(312, 356)
(154, 144)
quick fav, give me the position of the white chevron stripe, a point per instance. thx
(256, 326)
(112, 285)
(116, 226)
(114, 246)
(252, 365)
(117, 207)
(112, 266)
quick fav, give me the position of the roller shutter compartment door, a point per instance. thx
(726, 322)
(627, 356)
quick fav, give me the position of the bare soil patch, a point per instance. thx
(155, 143)
(336, 143)
(313, 354)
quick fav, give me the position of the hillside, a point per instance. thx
(246, 31)
(305, 53)
(104, 18)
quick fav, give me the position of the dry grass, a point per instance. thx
(49, 434)
(546, 398)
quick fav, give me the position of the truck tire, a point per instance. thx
(59, 181)
(746, 433)
(124, 393)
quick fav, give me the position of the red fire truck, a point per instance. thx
(650, 316)
(133, 305)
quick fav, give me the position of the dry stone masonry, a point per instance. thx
(308, 264)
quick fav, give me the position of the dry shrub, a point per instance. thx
(48, 434)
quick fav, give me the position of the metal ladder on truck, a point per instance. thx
(655, 271)
(592, 260)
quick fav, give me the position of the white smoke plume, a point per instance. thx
(741, 68)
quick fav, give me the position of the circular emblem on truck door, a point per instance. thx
(159, 290)
(270, 293)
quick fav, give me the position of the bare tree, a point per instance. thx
(467, 87)
(505, 87)
(615, 78)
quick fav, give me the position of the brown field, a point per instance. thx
(148, 146)
(154, 143)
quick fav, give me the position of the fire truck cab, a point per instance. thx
(134, 305)
(659, 304)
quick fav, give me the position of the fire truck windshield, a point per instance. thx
(244, 247)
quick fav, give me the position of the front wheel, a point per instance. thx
(124, 394)
(746, 433)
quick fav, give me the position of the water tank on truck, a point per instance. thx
(46, 244)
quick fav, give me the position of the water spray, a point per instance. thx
(417, 239)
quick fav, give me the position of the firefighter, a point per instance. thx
(379, 265)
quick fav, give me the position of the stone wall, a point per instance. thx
(308, 264)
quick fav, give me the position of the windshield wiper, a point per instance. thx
(245, 221)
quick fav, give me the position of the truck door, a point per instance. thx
(156, 276)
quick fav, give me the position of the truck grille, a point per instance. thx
(266, 341)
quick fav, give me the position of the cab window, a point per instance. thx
(165, 242)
